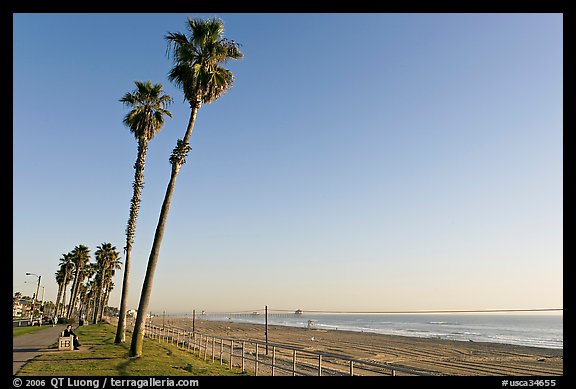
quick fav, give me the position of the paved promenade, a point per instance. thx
(26, 347)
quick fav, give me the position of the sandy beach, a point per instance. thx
(437, 356)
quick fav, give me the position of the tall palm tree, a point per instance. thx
(107, 258)
(63, 278)
(145, 120)
(68, 267)
(198, 71)
(80, 258)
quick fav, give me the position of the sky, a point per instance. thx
(360, 162)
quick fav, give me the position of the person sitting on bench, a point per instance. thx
(68, 332)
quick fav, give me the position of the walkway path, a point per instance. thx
(26, 347)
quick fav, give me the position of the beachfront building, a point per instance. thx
(21, 308)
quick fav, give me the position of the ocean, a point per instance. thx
(537, 330)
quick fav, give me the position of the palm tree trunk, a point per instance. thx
(194, 107)
(101, 302)
(105, 301)
(72, 309)
(101, 308)
(60, 287)
(78, 280)
(73, 292)
(130, 231)
(138, 333)
(121, 329)
(63, 303)
(98, 300)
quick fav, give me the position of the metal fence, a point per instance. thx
(21, 322)
(271, 359)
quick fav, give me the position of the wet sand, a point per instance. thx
(437, 356)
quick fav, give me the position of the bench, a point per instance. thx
(65, 343)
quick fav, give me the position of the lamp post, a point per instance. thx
(42, 301)
(37, 286)
(34, 296)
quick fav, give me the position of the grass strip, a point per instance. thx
(104, 358)
(19, 331)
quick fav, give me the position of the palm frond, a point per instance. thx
(198, 58)
(146, 100)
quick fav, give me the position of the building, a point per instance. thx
(21, 308)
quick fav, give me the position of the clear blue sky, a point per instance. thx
(360, 161)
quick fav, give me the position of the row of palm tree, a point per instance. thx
(198, 71)
(91, 282)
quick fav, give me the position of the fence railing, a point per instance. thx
(262, 358)
(21, 322)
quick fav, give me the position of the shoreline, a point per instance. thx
(379, 332)
(438, 356)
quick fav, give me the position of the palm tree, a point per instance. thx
(68, 267)
(199, 73)
(144, 121)
(63, 278)
(107, 258)
(80, 258)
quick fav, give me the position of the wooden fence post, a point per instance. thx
(221, 349)
(273, 359)
(242, 356)
(231, 351)
(256, 361)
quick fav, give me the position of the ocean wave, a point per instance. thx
(467, 333)
(496, 329)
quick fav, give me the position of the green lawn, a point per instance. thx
(104, 358)
(17, 331)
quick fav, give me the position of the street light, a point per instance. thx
(43, 290)
(42, 301)
(37, 287)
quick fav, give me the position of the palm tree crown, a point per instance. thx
(197, 60)
(107, 260)
(149, 107)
